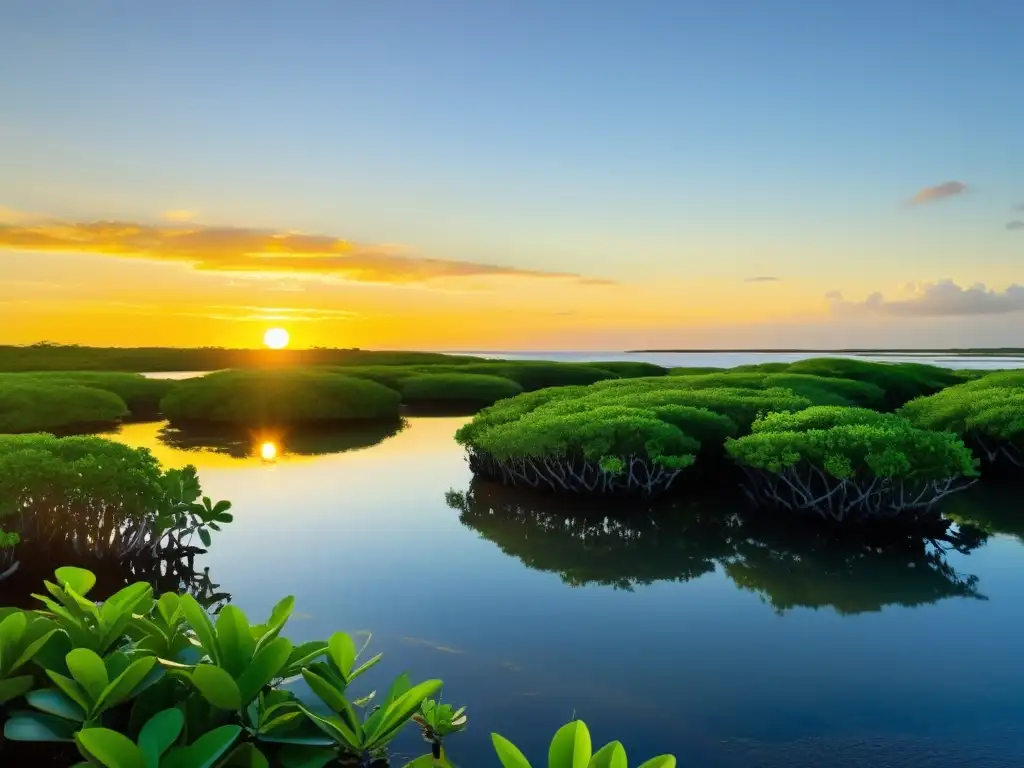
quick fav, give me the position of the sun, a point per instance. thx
(276, 338)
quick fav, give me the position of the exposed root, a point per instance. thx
(576, 475)
(807, 489)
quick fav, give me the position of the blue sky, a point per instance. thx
(678, 143)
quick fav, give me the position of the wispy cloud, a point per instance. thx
(243, 250)
(762, 279)
(1015, 224)
(939, 192)
(942, 299)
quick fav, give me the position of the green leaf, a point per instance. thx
(245, 756)
(167, 606)
(508, 753)
(13, 687)
(34, 726)
(303, 654)
(11, 630)
(200, 622)
(342, 651)
(365, 666)
(110, 748)
(159, 734)
(70, 688)
(53, 702)
(217, 687)
(611, 755)
(47, 630)
(401, 710)
(78, 579)
(336, 729)
(326, 692)
(303, 756)
(204, 535)
(88, 671)
(234, 639)
(278, 618)
(267, 664)
(664, 761)
(210, 747)
(570, 748)
(126, 683)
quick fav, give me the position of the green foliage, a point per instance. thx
(694, 370)
(277, 398)
(901, 382)
(532, 375)
(855, 446)
(472, 389)
(819, 417)
(141, 394)
(62, 490)
(629, 369)
(54, 357)
(572, 747)
(438, 721)
(23, 634)
(35, 406)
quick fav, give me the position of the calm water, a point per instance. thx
(726, 644)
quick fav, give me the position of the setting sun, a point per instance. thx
(268, 451)
(276, 338)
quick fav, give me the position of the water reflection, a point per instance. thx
(788, 566)
(223, 447)
(995, 508)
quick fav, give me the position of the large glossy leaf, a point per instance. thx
(342, 651)
(235, 640)
(71, 689)
(326, 692)
(79, 579)
(126, 683)
(199, 620)
(54, 702)
(365, 666)
(35, 726)
(266, 665)
(217, 687)
(36, 636)
(663, 761)
(210, 747)
(11, 630)
(302, 756)
(245, 756)
(399, 712)
(336, 729)
(88, 671)
(278, 618)
(611, 755)
(302, 655)
(167, 607)
(571, 747)
(110, 748)
(13, 687)
(508, 753)
(159, 734)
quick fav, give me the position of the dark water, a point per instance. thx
(697, 632)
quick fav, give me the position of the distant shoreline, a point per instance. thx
(981, 352)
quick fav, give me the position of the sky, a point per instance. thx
(513, 174)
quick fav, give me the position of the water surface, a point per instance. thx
(729, 645)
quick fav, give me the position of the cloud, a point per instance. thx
(246, 251)
(1018, 207)
(1015, 224)
(762, 279)
(942, 299)
(180, 215)
(939, 192)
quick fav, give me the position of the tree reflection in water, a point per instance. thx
(789, 565)
(246, 444)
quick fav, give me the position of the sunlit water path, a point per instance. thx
(642, 630)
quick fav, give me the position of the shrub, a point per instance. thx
(539, 375)
(629, 369)
(32, 406)
(901, 382)
(818, 389)
(73, 494)
(693, 370)
(988, 413)
(301, 396)
(472, 389)
(623, 436)
(853, 467)
(819, 417)
(142, 395)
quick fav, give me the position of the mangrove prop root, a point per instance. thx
(998, 452)
(575, 474)
(805, 488)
